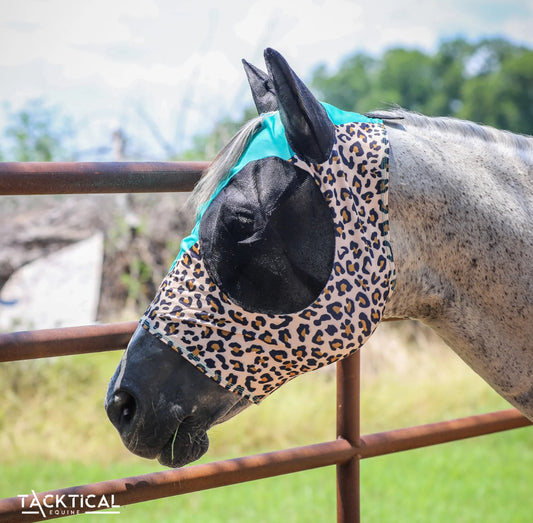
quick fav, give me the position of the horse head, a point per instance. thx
(287, 270)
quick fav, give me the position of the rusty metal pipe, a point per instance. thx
(98, 177)
(193, 478)
(26, 345)
(45, 343)
(348, 428)
(442, 432)
(211, 475)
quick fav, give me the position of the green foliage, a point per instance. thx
(353, 81)
(503, 97)
(490, 82)
(484, 479)
(206, 146)
(136, 279)
(406, 75)
(37, 133)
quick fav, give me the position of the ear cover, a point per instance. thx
(309, 131)
(262, 88)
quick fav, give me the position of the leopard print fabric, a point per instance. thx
(253, 354)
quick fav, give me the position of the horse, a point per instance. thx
(285, 272)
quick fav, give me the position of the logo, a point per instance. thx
(55, 505)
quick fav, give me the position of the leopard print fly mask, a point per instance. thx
(246, 310)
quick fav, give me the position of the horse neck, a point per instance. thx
(460, 212)
(459, 208)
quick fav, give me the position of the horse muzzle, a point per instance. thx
(162, 406)
(147, 432)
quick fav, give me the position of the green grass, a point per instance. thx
(307, 496)
(485, 479)
(54, 434)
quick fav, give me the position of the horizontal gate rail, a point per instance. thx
(98, 177)
(421, 436)
(194, 478)
(64, 341)
(197, 477)
(46, 343)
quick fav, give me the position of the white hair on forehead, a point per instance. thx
(218, 171)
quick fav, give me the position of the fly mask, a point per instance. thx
(289, 266)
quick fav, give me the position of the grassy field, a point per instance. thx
(54, 433)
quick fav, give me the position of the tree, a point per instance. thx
(490, 82)
(362, 83)
(448, 66)
(349, 85)
(37, 133)
(206, 146)
(406, 77)
(503, 97)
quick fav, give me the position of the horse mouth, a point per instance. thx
(187, 444)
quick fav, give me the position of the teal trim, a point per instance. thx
(340, 117)
(270, 140)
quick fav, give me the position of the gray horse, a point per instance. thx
(460, 204)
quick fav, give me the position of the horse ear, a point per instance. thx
(262, 88)
(309, 131)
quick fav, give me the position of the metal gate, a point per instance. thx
(345, 452)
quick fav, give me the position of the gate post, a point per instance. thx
(348, 427)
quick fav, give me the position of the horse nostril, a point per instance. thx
(121, 409)
(128, 407)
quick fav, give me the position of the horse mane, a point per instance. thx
(221, 166)
(465, 128)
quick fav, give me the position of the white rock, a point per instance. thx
(58, 290)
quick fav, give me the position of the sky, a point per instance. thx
(164, 71)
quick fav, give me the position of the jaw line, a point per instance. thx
(196, 437)
(232, 411)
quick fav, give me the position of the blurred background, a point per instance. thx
(164, 73)
(160, 80)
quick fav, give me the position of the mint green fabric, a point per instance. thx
(270, 140)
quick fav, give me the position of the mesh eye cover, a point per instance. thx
(270, 228)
